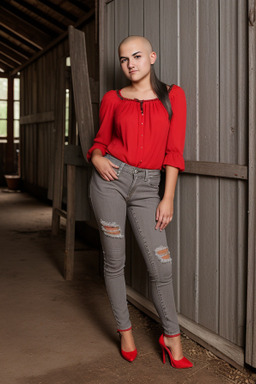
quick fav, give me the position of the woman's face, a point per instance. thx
(136, 59)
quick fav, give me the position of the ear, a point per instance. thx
(153, 57)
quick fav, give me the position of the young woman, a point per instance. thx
(142, 130)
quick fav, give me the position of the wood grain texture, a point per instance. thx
(250, 353)
(81, 88)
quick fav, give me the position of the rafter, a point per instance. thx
(7, 61)
(14, 55)
(80, 4)
(23, 29)
(6, 69)
(24, 17)
(15, 48)
(43, 15)
(81, 21)
(58, 10)
(16, 37)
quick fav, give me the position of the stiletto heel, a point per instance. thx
(163, 351)
(129, 356)
(182, 363)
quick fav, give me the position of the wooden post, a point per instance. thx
(70, 230)
(81, 88)
(250, 352)
(59, 144)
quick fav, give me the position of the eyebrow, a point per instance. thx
(124, 57)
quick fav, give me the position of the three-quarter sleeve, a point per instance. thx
(177, 131)
(106, 118)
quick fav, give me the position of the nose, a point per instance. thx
(130, 64)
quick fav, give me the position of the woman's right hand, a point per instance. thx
(104, 166)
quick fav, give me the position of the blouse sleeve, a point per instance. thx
(176, 137)
(106, 118)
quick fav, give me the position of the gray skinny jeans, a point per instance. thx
(135, 193)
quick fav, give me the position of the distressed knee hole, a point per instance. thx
(111, 229)
(163, 254)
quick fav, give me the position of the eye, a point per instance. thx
(123, 60)
(137, 56)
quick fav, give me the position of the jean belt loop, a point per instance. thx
(146, 175)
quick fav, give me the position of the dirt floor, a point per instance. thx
(59, 332)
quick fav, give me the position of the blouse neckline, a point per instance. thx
(139, 100)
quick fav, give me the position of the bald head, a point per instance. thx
(139, 40)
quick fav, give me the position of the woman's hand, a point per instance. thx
(164, 213)
(104, 166)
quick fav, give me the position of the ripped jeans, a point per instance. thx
(134, 193)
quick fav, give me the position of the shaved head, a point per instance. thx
(137, 39)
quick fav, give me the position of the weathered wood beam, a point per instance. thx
(23, 29)
(42, 117)
(80, 22)
(24, 17)
(80, 4)
(12, 52)
(13, 35)
(7, 61)
(58, 10)
(6, 69)
(81, 90)
(43, 15)
(233, 171)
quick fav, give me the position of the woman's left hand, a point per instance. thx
(164, 213)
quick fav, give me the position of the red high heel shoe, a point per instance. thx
(129, 356)
(182, 363)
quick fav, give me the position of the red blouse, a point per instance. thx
(139, 132)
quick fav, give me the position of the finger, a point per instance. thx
(113, 165)
(164, 223)
(159, 222)
(157, 225)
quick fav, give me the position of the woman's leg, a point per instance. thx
(110, 211)
(153, 245)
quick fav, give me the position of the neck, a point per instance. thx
(143, 85)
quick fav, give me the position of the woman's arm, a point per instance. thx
(164, 212)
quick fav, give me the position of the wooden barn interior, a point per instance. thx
(57, 59)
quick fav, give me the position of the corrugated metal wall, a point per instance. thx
(202, 46)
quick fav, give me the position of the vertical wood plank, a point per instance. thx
(111, 51)
(121, 31)
(135, 17)
(208, 141)
(70, 227)
(168, 59)
(188, 222)
(152, 28)
(59, 144)
(231, 254)
(81, 89)
(250, 356)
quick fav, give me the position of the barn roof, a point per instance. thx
(28, 27)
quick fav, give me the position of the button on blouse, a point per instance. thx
(140, 133)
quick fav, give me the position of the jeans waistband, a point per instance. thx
(131, 169)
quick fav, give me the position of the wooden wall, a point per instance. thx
(202, 46)
(38, 106)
